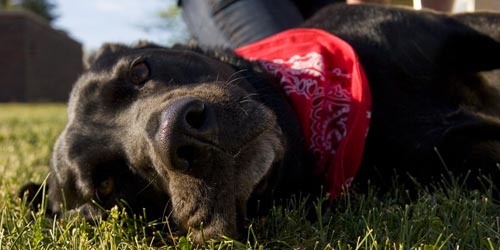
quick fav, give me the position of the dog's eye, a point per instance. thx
(139, 72)
(106, 187)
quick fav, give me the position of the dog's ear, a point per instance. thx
(466, 50)
(143, 44)
(106, 49)
(34, 194)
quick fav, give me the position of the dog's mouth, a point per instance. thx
(211, 202)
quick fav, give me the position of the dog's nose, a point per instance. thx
(188, 129)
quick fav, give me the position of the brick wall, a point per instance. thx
(37, 63)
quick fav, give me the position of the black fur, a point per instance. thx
(430, 103)
(435, 109)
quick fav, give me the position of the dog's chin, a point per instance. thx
(214, 204)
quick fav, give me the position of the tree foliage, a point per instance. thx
(169, 24)
(42, 8)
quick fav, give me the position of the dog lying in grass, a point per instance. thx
(209, 138)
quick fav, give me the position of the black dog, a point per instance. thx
(206, 134)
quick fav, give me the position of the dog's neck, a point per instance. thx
(326, 85)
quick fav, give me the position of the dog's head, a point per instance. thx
(167, 128)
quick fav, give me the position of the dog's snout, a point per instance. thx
(191, 117)
(188, 129)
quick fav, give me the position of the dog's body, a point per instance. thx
(425, 87)
(208, 135)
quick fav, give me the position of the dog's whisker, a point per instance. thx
(208, 188)
(165, 217)
(237, 154)
(247, 97)
(242, 109)
(150, 182)
(231, 82)
(165, 210)
(235, 73)
(248, 100)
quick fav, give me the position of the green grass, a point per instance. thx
(449, 218)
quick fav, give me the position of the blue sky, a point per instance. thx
(93, 22)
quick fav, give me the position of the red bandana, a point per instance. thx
(321, 75)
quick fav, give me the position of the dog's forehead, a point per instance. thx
(107, 61)
(165, 64)
(106, 80)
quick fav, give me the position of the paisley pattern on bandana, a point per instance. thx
(305, 76)
(327, 87)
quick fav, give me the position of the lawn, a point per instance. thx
(449, 218)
